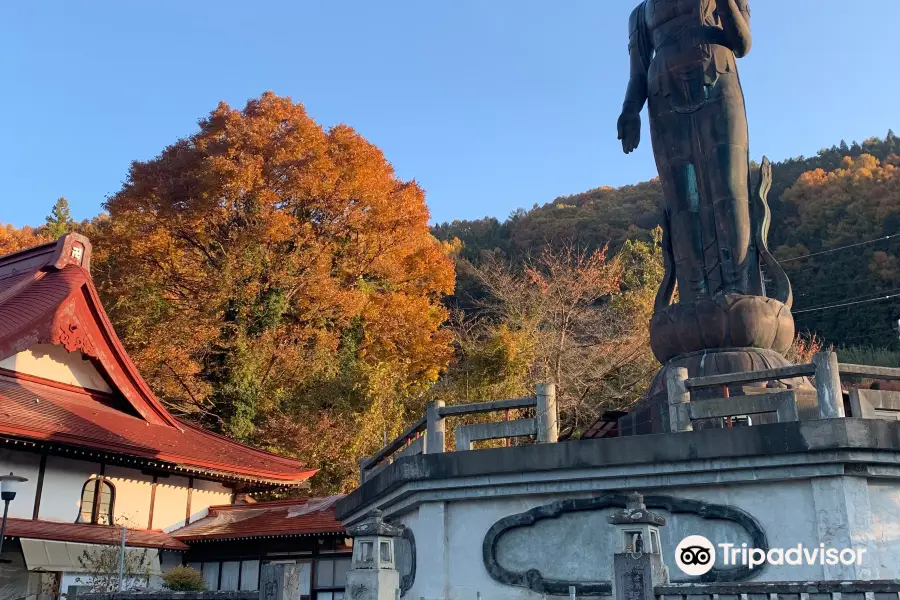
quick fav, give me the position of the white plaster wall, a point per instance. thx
(26, 464)
(449, 535)
(206, 494)
(133, 491)
(64, 479)
(170, 506)
(54, 362)
(884, 499)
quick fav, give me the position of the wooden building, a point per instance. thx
(99, 450)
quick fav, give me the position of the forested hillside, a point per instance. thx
(844, 195)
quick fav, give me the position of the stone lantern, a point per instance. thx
(638, 528)
(373, 573)
(638, 566)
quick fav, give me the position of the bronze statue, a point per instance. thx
(684, 65)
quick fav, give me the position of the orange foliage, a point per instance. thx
(13, 239)
(247, 261)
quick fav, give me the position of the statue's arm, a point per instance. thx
(636, 93)
(736, 25)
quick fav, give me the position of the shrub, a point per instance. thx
(184, 579)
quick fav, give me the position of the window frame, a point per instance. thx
(100, 483)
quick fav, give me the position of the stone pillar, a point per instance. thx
(638, 566)
(363, 472)
(636, 576)
(373, 573)
(679, 400)
(280, 582)
(844, 520)
(545, 411)
(828, 385)
(434, 427)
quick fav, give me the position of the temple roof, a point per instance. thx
(47, 297)
(283, 518)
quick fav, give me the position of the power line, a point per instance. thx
(797, 312)
(806, 290)
(881, 239)
(865, 296)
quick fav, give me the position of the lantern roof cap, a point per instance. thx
(635, 512)
(374, 524)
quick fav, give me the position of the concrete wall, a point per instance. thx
(833, 483)
(579, 546)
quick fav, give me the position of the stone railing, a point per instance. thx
(826, 370)
(426, 436)
(783, 590)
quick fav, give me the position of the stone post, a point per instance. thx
(828, 386)
(280, 582)
(638, 567)
(679, 400)
(434, 427)
(362, 469)
(546, 413)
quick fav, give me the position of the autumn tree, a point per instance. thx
(266, 271)
(833, 211)
(13, 239)
(573, 317)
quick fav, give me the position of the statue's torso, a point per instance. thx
(681, 31)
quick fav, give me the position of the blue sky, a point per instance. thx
(489, 104)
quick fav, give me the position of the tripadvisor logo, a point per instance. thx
(695, 555)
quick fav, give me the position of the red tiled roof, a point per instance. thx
(314, 516)
(47, 297)
(42, 411)
(84, 533)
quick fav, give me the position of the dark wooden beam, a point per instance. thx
(40, 486)
(152, 501)
(187, 512)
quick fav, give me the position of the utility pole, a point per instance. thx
(122, 561)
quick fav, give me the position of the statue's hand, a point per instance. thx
(630, 131)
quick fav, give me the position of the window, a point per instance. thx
(210, 573)
(331, 578)
(386, 552)
(97, 498)
(229, 575)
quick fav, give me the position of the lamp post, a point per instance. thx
(8, 485)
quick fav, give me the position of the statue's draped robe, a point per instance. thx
(698, 126)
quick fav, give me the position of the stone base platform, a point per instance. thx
(527, 522)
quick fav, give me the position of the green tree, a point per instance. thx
(59, 222)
